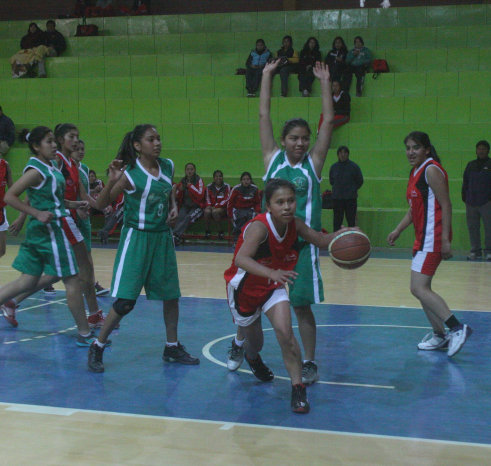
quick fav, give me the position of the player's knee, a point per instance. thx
(123, 306)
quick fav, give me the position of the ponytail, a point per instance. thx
(127, 152)
(424, 140)
(34, 137)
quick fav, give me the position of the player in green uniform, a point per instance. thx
(46, 248)
(295, 163)
(146, 255)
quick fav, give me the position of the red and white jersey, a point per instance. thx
(276, 252)
(426, 211)
(72, 177)
(3, 181)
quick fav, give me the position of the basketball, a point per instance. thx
(350, 249)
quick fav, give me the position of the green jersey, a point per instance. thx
(84, 175)
(146, 205)
(49, 194)
(307, 185)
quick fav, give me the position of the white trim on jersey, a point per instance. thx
(143, 203)
(311, 162)
(40, 172)
(314, 258)
(121, 264)
(68, 249)
(265, 177)
(273, 229)
(128, 177)
(5, 225)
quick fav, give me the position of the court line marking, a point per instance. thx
(35, 409)
(37, 337)
(206, 350)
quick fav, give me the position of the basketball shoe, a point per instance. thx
(458, 337)
(235, 356)
(309, 372)
(432, 341)
(8, 311)
(179, 354)
(259, 369)
(95, 363)
(299, 402)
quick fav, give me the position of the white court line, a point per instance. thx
(58, 301)
(207, 354)
(41, 410)
(51, 334)
(225, 425)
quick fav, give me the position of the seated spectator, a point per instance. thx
(217, 194)
(7, 133)
(336, 60)
(254, 67)
(358, 59)
(290, 57)
(342, 104)
(244, 203)
(309, 55)
(54, 39)
(190, 197)
(32, 53)
(95, 184)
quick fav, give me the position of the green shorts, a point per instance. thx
(145, 259)
(307, 288)
(86, 229)
(47, 250)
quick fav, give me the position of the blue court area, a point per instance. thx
(373, 380)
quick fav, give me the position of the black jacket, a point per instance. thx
(7, 130)
(346, 179)
(56, 40)
(476, 188)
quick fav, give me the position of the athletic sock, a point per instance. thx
(174, 343)
(239, 343)
(86, 335)
(99, 344)
(308, 360)
(452, 323)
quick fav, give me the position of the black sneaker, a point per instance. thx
(221, 235)
(260, 370)
(299, 403)
(100, 290)
(95, 358)
(179, 354)
(49, 290)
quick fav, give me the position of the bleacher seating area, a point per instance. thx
(178, 73)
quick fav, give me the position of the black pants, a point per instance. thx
(305, 81)
(359, 72)
(284, 72)
(342, 207)
(253, 79)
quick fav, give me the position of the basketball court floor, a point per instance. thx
(378, 401)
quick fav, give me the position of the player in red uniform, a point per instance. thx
(5, 180)
(430, 211)
(217, 194)
(264, 259)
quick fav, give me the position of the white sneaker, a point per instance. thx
(235, 356)
(432, 342)
(457, 339)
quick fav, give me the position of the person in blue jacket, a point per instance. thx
(358, 60)
(254, 67)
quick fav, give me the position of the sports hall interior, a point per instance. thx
(177, 71)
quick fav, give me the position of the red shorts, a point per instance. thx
(426, 262)
(71, 230)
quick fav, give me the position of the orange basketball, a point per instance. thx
(350, 249)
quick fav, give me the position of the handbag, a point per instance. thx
(85, 29)
(379, 66)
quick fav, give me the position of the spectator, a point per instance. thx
(346, 179)
(54, 39)
(254, 67)
(476, 193)
(288, 64)
(7, 133)
(190, 196)
(358, 59)
(244, 203)
(95, 184)
(33, 50)
(141, 7)
(217, 194)
(336, 60)
(342, 104)
(309, 55)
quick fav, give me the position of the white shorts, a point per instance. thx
(4, 225)
(279, 295)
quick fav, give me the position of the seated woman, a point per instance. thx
(288, 64)
(342, 104)
(217, 194)
(33, 50)
(190, 196)
(358, 59)
(309, 55)
(244, 203)
(336, 60)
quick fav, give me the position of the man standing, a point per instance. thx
(7, 133)
(476, 193)
(346, 179)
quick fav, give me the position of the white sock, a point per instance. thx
(99, 344)
(175, 343)
(308, 360)
(239, 343)
(85, 335)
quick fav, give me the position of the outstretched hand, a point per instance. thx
(271, 66)
(321, 71)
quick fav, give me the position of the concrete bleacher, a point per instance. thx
(178, 73)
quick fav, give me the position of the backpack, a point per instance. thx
(379, 66)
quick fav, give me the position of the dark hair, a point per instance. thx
(337, 80)
(35, 24)
(343, 47)
(61, 129)
(360, 39)
(217, 171)
(273, 185)
(480, 143)
(424, 140)
(35, 136)
(92, 171)
(288, 37)
(50, 21)
(340, 148)
(190, 163)
(293, 123)
(306, 47)
(127, 152)
(262, 41)
(246, 174)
